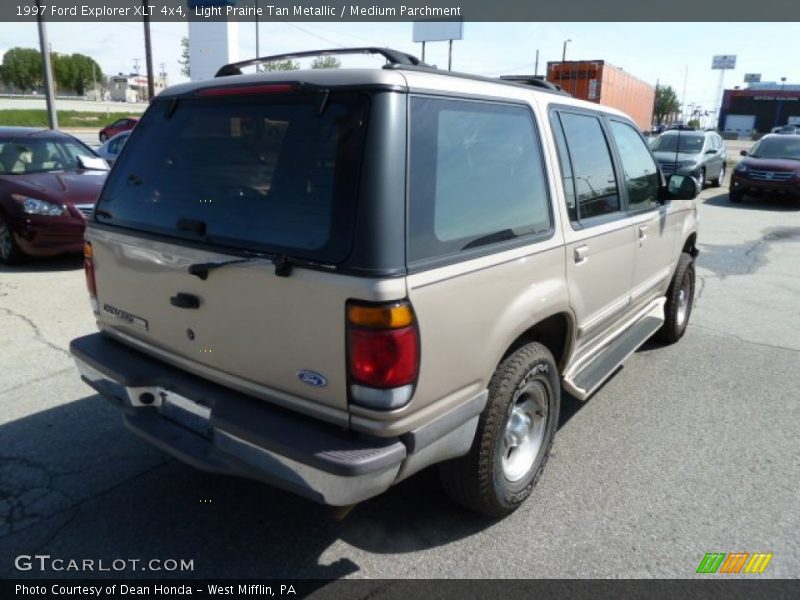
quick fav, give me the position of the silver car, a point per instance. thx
(700, 154)
(111, 148)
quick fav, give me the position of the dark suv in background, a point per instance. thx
(700, 154)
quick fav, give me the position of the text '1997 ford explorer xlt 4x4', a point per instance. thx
(331, 279)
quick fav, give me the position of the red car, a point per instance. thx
(49, 183)
(771, 167)
(117, 126)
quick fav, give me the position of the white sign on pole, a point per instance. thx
(724, 61)
(438, 31)
(752, 77)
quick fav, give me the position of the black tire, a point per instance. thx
(735, 196)
(676, 321)
(527, 378)
(721, 177)
(10, 253)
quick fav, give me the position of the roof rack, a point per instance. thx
(396, 59)
(535, 81)
(393, 57)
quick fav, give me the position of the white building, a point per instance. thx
(133, 88)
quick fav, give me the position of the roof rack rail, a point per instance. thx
(535, 81)
(393, 57)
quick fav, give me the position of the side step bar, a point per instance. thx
(602, 365)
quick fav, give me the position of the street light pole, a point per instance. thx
(49, 93)
(564, 51)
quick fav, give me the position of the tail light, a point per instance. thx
(383, 353)
(88, 267)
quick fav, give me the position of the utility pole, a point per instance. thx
(536, 64)
(564, 51)
(148, 51)
(52, 116)
(136, 66)
(258, 44)
(450, 55)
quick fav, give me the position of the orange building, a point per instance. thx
(600, 82)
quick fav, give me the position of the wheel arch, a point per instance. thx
(555, 332)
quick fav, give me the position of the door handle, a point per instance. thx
(642, 232)
(580, 254)
(182, 300)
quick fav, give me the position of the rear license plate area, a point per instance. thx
(186, 412)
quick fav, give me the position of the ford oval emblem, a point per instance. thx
(312, 378)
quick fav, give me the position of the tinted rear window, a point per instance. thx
(271, 173)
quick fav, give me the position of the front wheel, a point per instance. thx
(735, 196)
(514, 436)
(680, 298)
(721, 177)
(10, 252)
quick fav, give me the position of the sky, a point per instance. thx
(667, 53)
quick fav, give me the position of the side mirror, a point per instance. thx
(682, 187)
(743, 153)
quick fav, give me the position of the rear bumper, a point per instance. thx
(221, 430)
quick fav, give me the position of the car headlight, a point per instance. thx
(687, 163)
(34, 206)
(741, 168)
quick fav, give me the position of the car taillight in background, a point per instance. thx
(88, 267)
(383, 353)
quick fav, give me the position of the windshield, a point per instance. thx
(689, 143)
(777, 147)
(38, 155)
(274, 173)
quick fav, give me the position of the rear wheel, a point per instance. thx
(514, 436)
(10, 252)
(680, 298)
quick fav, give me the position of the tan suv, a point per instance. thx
(331, 279)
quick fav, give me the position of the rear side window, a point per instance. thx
(276, 173)
(589, 174)
(476, 177)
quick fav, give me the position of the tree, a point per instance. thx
(22, 68)
(281, 65)
(694, 123)
(184, 61)
(326, 62)
(666, 103)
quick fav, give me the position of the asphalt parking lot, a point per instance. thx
(688, 449)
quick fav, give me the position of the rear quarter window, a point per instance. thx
(476, 177)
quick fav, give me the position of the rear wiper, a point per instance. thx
(283, 265)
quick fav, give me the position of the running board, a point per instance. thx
(592, 375)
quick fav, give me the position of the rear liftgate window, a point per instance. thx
(476, 178)
(275, 173)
